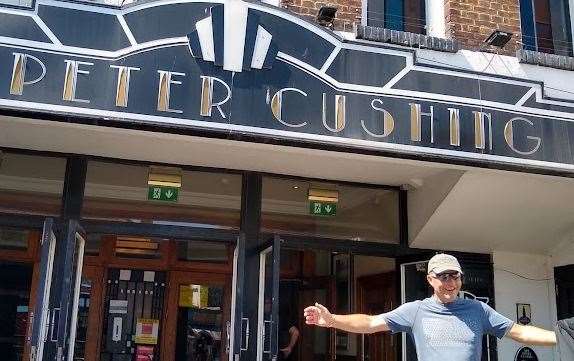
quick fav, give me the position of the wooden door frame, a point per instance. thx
(177, 278)
(96, 275)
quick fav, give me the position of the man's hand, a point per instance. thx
(318, 315)
(286, 351)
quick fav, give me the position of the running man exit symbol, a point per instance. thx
(161, 193)
(322, 208)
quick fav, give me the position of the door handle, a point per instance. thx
(228, 337)
(265, 335)
(53, 324)
(247, 331)
(30, 326)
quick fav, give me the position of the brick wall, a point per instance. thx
(469, 21)
(472, 21)
(349, 11)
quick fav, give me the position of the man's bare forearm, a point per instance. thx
(532, 335)
(355, 323)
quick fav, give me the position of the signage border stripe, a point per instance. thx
(127, 29)
(330, 59)
(46, 30)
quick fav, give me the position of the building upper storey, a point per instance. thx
(442, 32)
(543, 26)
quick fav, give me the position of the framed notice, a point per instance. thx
(523, 314)
(147, 331)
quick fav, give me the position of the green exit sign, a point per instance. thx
(161, 193)
(322, 208)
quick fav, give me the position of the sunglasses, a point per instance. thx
(444, 277)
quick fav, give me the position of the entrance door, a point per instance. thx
(376, 295)
(198, 321)
(133, 315)
(268, 314)
(40, 315)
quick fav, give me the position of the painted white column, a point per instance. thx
(435, 18)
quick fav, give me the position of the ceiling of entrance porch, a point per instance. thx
(208, 152)
(486, 211)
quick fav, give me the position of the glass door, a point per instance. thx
(40, 315)
(76, 276)
(235, 333)
(268, 314)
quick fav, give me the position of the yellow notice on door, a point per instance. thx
(193, 296)
(147, 331)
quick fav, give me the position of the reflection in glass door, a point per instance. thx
(268, 319)
(199, 323)
(198, 317)
(15, 285)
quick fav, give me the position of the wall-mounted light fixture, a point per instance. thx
(326, 15)
(498, 38)
(167, 177)
(323, 195)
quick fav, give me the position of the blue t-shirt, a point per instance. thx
(450, 331)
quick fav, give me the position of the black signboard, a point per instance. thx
(526, 354)
(268, 73)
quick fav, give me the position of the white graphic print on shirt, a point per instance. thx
(451, 331)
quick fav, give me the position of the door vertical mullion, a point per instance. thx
(275, 297)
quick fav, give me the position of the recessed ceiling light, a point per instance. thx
(295, 187)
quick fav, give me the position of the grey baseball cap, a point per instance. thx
(443, 262)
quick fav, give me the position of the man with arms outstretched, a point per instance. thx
(443, 326)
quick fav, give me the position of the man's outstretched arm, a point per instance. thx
(531, 335)
(319, 315)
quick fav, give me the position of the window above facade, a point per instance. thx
(325, 209)
(136, 193)
(403, 15)
(31, 184)
(545, 26)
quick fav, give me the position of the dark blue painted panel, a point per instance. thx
(218, 26)
(295, 40)
(249, 104)
(21, 27)
(84, 29)
(160, 22)
(365, 68)
(527, 25)
(394, 14)
(462, 87)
